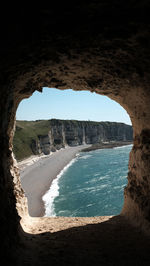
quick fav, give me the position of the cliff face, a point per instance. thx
(59, 133)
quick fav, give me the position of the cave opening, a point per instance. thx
(103, 47)
(32, 138)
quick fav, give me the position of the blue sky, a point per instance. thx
(69, 104)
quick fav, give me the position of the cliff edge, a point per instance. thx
(45, 136)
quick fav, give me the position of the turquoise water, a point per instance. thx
(93, 184)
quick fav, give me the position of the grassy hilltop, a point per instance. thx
(29, 135)
(26, 132)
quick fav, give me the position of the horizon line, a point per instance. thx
(74, 120)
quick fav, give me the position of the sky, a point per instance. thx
(69, 104)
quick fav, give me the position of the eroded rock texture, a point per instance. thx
(44, 136)
(101, 46)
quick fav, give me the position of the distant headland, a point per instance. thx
(46, 136)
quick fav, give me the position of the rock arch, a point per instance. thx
(105, 50)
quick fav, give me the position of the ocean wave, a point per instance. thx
(86, 156)
(102, 186)
(97, 174)
(103, 177)
(130, 145)
(53, 192)
(93, 189)
(97, 178)
(90, 205)
(116, 187)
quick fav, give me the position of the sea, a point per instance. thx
(92, 184)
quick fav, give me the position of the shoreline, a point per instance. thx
(37, 177)
(38, 172)
(109, 145)
(53, 191)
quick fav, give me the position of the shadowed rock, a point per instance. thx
(100, 46)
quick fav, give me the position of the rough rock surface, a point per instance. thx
(60, 133)
(101, 46)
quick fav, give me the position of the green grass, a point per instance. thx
(26, 134)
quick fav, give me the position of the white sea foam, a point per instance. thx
(86, 156)
(89, 205)
(97, 174)
(103, 186)
(53, 192)
(130, 145)
(103, 177)
(116, 187)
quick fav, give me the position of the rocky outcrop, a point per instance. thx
(66, 132)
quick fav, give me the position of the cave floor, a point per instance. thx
(82, 241)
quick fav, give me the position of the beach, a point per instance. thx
(38, 173)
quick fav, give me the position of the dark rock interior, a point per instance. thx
(100, 46)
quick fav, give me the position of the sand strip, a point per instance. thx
(37, 178)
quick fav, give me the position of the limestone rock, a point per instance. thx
(65, 132)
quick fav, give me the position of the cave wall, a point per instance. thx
(100, 46)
